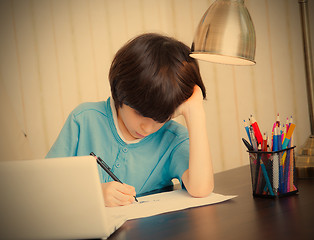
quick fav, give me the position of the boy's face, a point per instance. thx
(135, 126)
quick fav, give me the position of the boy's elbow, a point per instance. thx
(201, 191)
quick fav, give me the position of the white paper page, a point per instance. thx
(164, 202)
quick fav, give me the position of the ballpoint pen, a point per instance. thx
(248, 145)
(253, 139)
(103, 164)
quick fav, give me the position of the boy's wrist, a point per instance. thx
(194, 114)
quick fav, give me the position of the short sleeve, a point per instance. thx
(179, 160)
(67, 141)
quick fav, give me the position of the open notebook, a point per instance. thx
(59, 198)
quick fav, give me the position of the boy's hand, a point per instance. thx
(117, 194)
(194, 103)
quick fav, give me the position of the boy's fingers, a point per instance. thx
(118, 194)
(126, 189)
(132, 189)
(123, 199)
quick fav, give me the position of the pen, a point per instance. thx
(253, 139)
(248, 145)
(103, 164)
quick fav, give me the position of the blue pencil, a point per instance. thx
(247, 131)
(266, 178)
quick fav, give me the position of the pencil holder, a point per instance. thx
(273, 173)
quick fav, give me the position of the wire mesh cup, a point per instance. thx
(273, 173)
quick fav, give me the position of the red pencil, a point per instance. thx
(256, 130)
(264, 143)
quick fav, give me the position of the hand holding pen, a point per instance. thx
(115, 193)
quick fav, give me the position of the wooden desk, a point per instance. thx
(243, 217)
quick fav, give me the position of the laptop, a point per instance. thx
(56, 198)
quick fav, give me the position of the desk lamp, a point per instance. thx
(225, 34)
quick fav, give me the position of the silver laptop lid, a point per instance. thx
(56, 198)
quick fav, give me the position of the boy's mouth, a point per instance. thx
(140, 135)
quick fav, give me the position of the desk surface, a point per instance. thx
(243, 217)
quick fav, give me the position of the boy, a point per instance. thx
(152, 79)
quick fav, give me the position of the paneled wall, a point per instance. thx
(56, 54)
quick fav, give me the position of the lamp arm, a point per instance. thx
(308, 59)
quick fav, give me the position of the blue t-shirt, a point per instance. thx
(147, 165)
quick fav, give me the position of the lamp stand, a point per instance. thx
(304, 162)
(305, 159)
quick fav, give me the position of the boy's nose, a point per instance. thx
(147, 128)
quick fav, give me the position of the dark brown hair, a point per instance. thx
(154, 74)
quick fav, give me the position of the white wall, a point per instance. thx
(56, 54)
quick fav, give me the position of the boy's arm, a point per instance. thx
(198, 179)
(67, 140)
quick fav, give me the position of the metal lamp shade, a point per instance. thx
(225, 34)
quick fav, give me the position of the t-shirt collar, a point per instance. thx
(115, 120)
